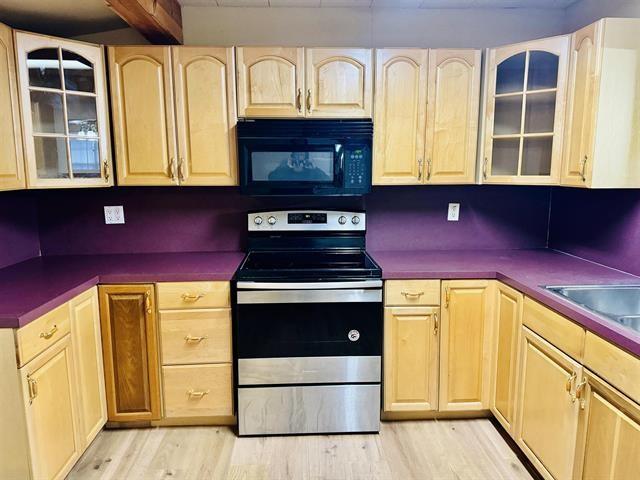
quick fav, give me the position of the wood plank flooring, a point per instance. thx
(421, 450)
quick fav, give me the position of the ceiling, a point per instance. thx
(60, 17)
(385, 3)
(69, 18)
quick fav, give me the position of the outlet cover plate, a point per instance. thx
(114, 215)
(453, 215)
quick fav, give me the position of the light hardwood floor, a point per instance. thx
(443, 449)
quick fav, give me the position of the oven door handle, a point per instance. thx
(310, 296)
(308, 285)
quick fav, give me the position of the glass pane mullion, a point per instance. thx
(524, 110)
(66, 116)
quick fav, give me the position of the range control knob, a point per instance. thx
(258, 220)
(342, 219)
(272, 220)
(355, 220)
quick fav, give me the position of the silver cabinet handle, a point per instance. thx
(583, 169)
(428, 169)
(419, 169)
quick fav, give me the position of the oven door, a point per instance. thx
(286, 166)
(293, 321)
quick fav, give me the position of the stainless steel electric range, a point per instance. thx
(308, 325)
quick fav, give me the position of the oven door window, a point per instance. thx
(309, 329)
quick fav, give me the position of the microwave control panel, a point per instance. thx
(355, 169)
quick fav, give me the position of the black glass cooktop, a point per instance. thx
(304, 264)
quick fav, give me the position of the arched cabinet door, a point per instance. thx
(584, 59)
(270, 82)
(143, 119)
(400, 116)
(64, 112)
(452, 118)
(11, 158)
(339, 82)
(205, 115)
(526, 88)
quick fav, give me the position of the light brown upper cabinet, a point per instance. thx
(452, 116)
(206, 115)
(64, 112)
(270, 81)
(11, 158)
(426, 116)
(601, 136)
(305, 82)
(525, 108)
(143, 117)
(339, 82)
(401, 116)
(155, 145)
(465, 345)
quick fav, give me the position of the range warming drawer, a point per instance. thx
(292, 370)
(308, 409)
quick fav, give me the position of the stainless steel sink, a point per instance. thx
(618, 303)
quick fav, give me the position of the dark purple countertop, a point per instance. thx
(33, 287)
(524, 270)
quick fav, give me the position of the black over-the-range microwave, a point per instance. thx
(305, 157)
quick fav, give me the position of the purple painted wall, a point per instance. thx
(599, 225)
(491, 217)
(213, 219)
(18, 228)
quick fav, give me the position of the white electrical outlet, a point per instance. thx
(454, 212)
(114, 214)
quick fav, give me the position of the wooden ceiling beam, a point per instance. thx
(159, 21)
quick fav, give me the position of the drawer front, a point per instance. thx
(196, 336)
(198, 390)
(556, 329)
(619, 368)
(38, 335)
(173, 295)
(411, 292)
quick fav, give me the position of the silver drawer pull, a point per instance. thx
(197, 393)
(412, 294)
(192, 297)
(195, 339)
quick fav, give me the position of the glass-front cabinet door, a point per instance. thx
(526, 88)
(63, 99)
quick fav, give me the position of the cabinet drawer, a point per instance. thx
(196, 336)
(556, 329)
(198, 390)
(193, 295)
(619, 368)
(411, 292)
(42, 332)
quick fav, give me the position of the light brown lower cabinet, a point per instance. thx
(609, 433)
(465, 345)
(507, 324)
(546, 428)
(130, 349)
(411, 359)
(52, 397)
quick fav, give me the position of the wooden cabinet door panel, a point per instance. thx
(452, 119)
(87, 345)
(49, 384)
(547, 409)
(143, 117)
(411, 359)
(401, 109)
(465, 345)
(270, 81)
(129, 343)
(339, 82)
(206, 115)
(609, 438)
(11, 158)
(584, 65)
(508, 318)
